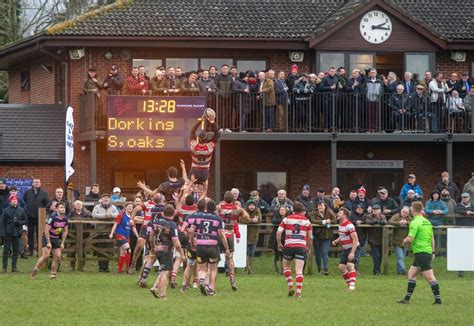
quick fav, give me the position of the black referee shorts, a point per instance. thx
(423, 261)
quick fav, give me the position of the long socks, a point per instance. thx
(299, 283)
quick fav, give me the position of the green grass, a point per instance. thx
(90, 298)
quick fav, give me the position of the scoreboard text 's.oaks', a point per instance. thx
(143, 123)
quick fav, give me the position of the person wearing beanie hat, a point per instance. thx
(12, 220)
(436, 211)
(292, 77)
(305, 198)
(252, 233)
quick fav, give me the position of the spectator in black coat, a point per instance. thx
(466, 209)
(261, 204)
(12, 220)
(35, 198)
(4, 194)
(388, 205)
(452, 187)
(306, 200)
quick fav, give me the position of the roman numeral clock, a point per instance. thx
(375, 27)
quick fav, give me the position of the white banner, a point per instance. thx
(240, 249)
(69, 149)
(460, 249)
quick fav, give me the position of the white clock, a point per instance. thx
(375, 27)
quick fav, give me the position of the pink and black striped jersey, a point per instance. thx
(207, 226)
(296, 229)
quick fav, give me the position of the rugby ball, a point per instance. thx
(210, 114)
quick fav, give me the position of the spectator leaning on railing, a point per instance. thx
(465, 208)
(411, 185)
(252, 233)
(436, 212)
(324, 216)
(388, 205)
(106, 211)
(376, 218)
(469, 186)
(401, 221)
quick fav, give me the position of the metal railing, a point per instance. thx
(319, 112)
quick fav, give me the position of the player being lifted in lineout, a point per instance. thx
(202, 148)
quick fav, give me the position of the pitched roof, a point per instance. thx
(207, 18)
(453, 19)
(32, 133)
(275, 19)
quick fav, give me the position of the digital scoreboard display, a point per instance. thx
(152, 123)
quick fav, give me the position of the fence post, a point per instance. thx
(385, 244)
(80, 246)
(41, 222)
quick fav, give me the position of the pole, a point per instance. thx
(217, 172)
(334, 160)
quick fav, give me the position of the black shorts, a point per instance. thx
(294, 253)
(183, 239)
(165, 258)
(200, 175)
(207, 254)
(143, 233)
(190, 254)
(344, 258)
(423, 261)
(230, 243)
(55, 243)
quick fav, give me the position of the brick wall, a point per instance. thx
(42, 83)
(446, 65)
(51, 176)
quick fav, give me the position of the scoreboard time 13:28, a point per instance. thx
(143, 123)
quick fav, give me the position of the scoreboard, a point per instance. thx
(152, 123)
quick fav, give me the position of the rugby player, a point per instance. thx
(298, 233)
(231, 213)
(420, 236)
(209, 227)
(54, 237)
(350, 248)
(190, 251)
(202, 149)
(154, 206)
(164, 237)
(122, 227)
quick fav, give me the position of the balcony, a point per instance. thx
(246, 115)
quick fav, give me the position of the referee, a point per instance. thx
(420, 236)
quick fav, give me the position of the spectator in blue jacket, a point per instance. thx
(436, 210)
(411, 184)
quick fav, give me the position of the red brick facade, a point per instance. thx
(304, 162)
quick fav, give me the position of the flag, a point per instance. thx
(69, 150)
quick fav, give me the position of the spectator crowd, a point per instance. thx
(445, 204)
(364, 101)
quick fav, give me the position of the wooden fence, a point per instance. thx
(87, 236)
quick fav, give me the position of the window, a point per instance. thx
(255, 65)
(218, 62)
(186, 64)
(149, 64)
(361, 61)
(418, 63)
(330, 59)
(268, 184)
(25, 80)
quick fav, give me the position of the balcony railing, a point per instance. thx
(319, 112)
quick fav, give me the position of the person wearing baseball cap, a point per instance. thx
(388, 205)
(12, 220)
(113, 83)
(376, 218)
(469, 186)
(305, 199)
(116, 195)
(104, 211)
(411, 185)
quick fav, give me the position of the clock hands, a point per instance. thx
(380, 26)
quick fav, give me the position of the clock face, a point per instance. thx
(375, 27)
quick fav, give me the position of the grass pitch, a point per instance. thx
(91, 298)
